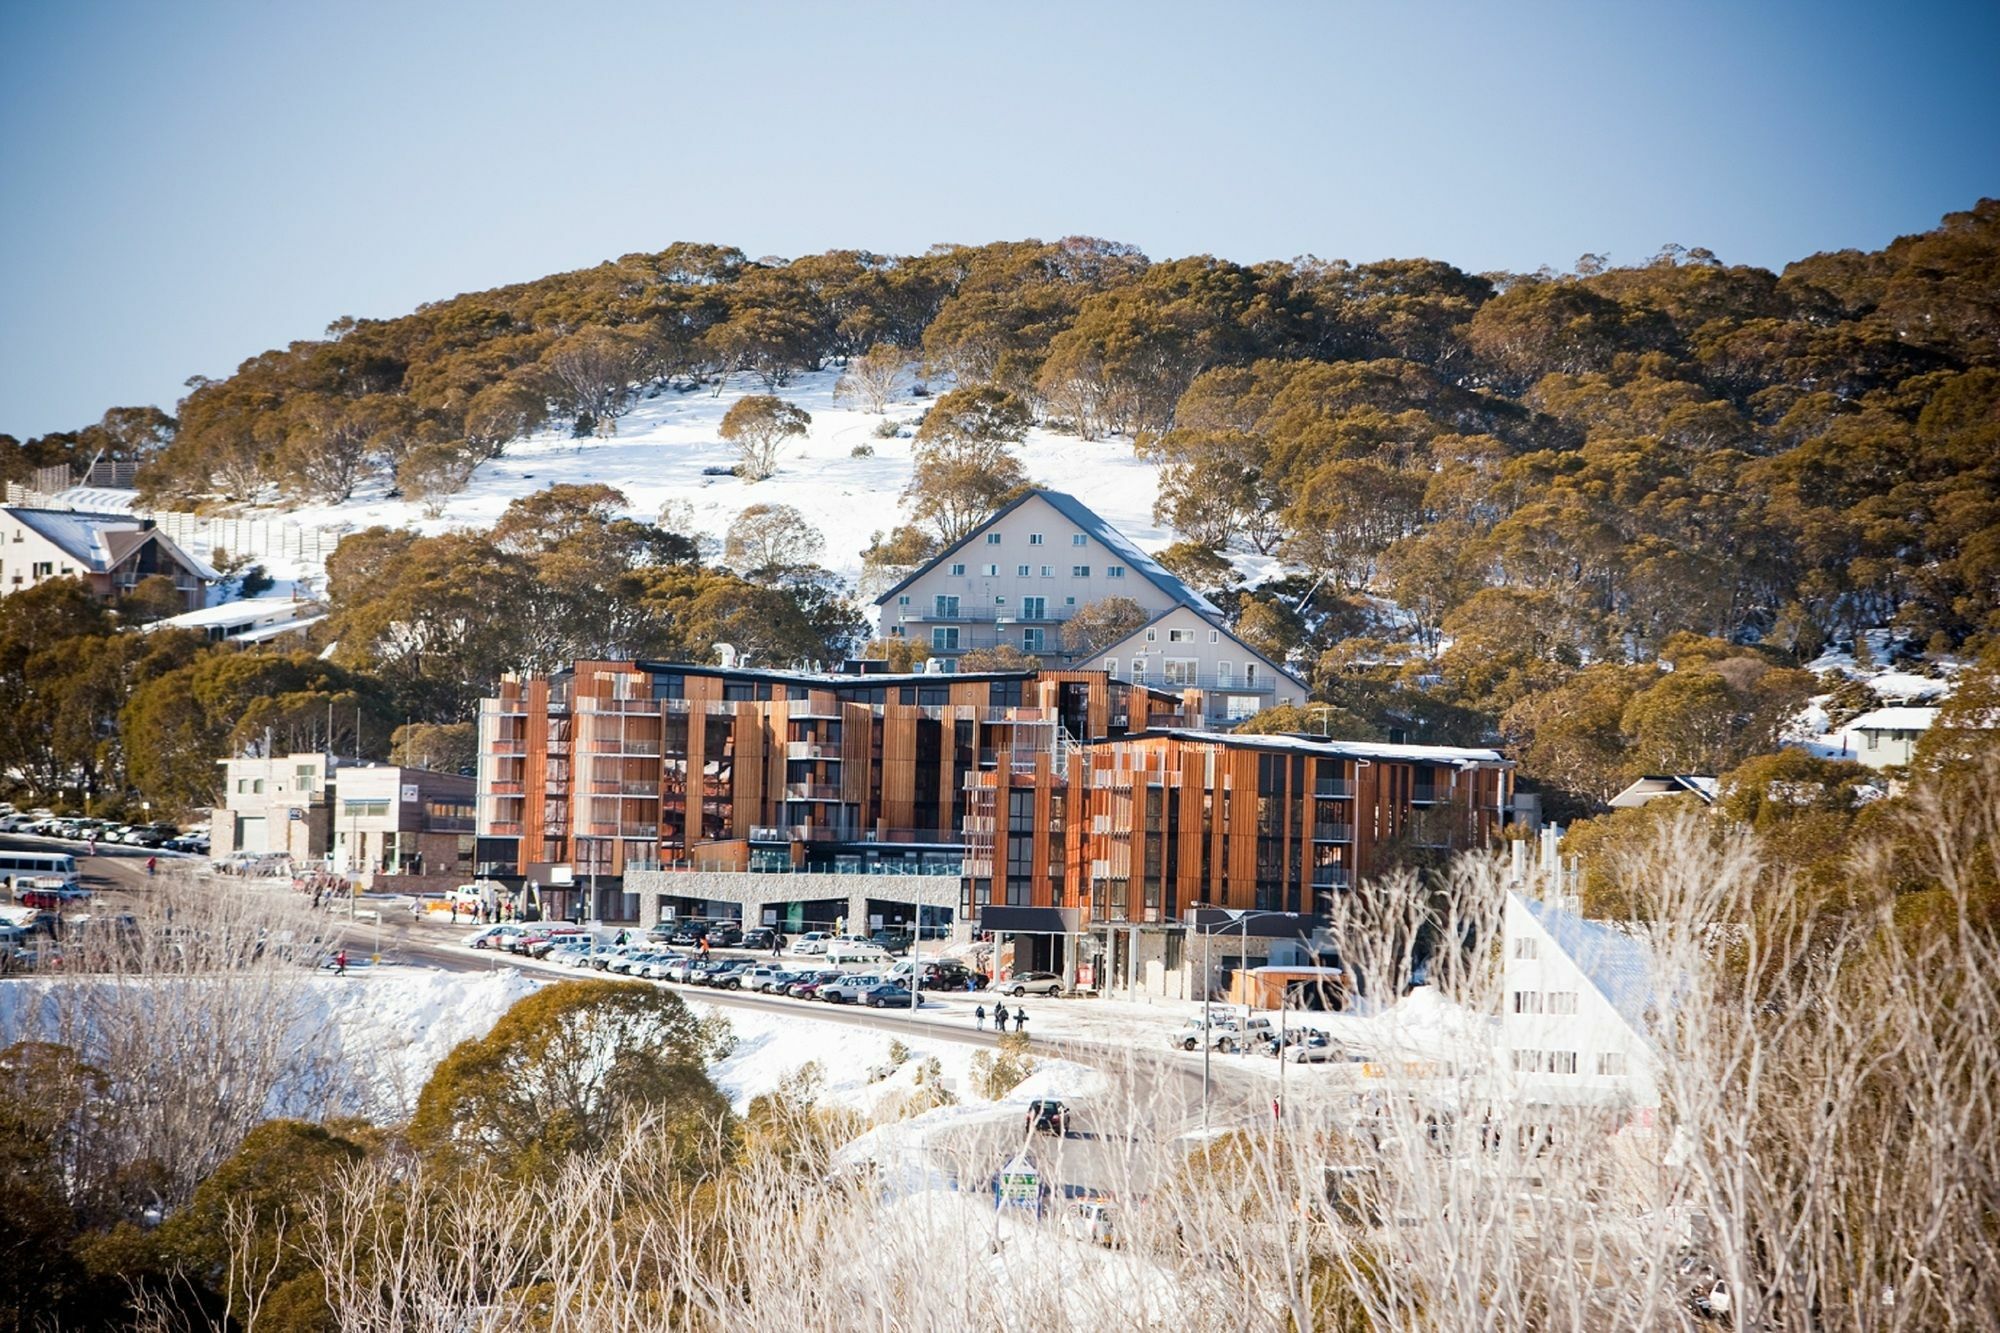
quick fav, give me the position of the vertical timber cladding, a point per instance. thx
(899, 765)
(534, 702)
(857, 745)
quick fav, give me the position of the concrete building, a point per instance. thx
(1182, 650)
(1577, 1006)
(1019, 576)
(1886, 737)
(346, 817)
(111, 553)
(276, 806)
(390, 820)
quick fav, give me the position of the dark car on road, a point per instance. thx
(889, 996)
(758, 937)
(893, 941)
(1048, 1116)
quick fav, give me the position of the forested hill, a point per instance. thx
(1592, 460)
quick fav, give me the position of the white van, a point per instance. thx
(37, 870)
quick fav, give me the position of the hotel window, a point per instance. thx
(1527, 947)
(1527, 1002)
(43, 568)
(1114, 571)
(1182, 671)
(992, 571)
(1527, 1062)
(1110, 666)
(1021, 571)
(992, 539)
(1215, 636)
(1562, 1062)
(1034, 539)
(1562, 1001)
(1079, 571)
(944, 604)
(958, 571)
(1048, 571)
(256, 786)
(1225, 674)
(944, 638)
(1031, 640)
(1180, 636)
(903, 601)
(1078, 539)
(1152, 636)
(1611, 1062)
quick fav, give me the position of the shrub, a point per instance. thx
(862, 451)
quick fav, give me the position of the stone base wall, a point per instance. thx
(753, 892)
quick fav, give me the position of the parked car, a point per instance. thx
(759, 938)
(781, 980)
(812, 942)
(628, 963)
(1303, 1046)
(841, 953)
(729, 975)
(1224, 1032)
(892, 941)
(849, 989)
(725, 935)
(1089, 1220)
(1031, 983)
(496, 937)
(807, 987)
(887, 995)
(569, 955)
(1046, 1115)
(756, 978)
(655, 965)
(540, 944)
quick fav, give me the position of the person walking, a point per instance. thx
(152, 866)
(1020, 1019)
(619, 939)
(340, 963)
(979, 1018)
(777, 944)
(90, 845)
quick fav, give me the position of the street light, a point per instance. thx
(1241, 923)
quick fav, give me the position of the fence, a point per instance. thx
(257, 538)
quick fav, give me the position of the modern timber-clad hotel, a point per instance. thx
(1079, 818)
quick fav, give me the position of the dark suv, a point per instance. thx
(893, 941)
(759, 937)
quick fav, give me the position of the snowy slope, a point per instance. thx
(665, 442)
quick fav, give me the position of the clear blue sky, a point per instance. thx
(184, 185)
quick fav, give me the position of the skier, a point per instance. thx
(979, 1018)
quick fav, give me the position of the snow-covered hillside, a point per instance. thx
(666, 442)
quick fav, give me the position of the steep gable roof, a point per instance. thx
(1620, 967)
(1234, 638)
(79, 534)
(1080, 514)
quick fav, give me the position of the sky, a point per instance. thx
(184, 186)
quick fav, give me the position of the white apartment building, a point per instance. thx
(1020, 575)
(1576, 1011)
(111, 553)
(1181, 650)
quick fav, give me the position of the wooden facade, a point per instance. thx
(622, 764)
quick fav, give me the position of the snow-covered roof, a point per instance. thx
(1459, 756)
(264, 632)
(1080, 514)
(1655, 785)
(246, 612)
(1894, 719)
(101, 541)
(1620, 967)
(99, 499)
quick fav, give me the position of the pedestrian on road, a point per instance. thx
(777, 944)
(340, 963)
(619, 939)
(979, 1018)
(152, 864)
(90, 845)
(1020, 1019)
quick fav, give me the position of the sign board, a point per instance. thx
(874, 921)
(770, 916)
(562, 875)
(666, 914)
(410, 795)
(1019, 1186)
(295, 813)
(1086, 975)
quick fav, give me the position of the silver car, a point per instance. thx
(1031, 983)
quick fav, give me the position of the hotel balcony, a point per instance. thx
(812, 750)
(1333, 833)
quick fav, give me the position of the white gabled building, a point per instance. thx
(1575, 1013)
(1179, 650)
(1017, 577)
(1886, 737)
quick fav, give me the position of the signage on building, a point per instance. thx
(562, 874)
(410, 795)
(295, 813)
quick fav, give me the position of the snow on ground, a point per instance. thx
(664, 444)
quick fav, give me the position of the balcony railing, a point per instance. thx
(1333, 833)
(1334, 787)
(635, 749)
(1332, 877)
(812, 750)
(601, 787)
(1427, 795)
(506, 788)
(504, 828)
(1231, 684)
(812, 791)
(507, 745)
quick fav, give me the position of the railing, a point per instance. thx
(510, 787)
(505, 745)
(1335, 787)
(449, 824)
(1232, 684)
(1333, 833)
(632, 749)
(1425, 796)
(812, 791)
(643, 707)
(812, 750)
(501, 828)
(604, 787)
(1332, 877)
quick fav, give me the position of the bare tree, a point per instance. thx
(875, 376)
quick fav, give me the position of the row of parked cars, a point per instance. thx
(651, 959)
(1227, 1032)
(153, 837)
